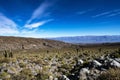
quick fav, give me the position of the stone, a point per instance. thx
(50, 77)
(117, 59)
(83, 73)
(96, 63)
(80, 61)
(64, 77)
(115, 64)
(55, 78)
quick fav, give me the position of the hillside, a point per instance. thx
(42, 59)
(29, 43)
(89, 39)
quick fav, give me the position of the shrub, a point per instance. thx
(5, 75)
(111, 74)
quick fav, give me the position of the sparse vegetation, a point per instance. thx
(56, 63)
(111, 74)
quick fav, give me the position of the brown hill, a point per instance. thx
(15, 43)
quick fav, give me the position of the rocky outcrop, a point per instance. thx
(70, 68)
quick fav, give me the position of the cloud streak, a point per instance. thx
(108, 13)
(7, 26)
(102, 14)
(38, 14)
(35, 25)
(84, 12)
(39, 11)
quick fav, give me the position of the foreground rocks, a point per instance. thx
(57, 69)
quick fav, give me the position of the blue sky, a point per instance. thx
(57, 18)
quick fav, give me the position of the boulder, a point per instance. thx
(96, 63)
(115, 64)
(117, 59)
(50, 77)
(64, 77)
(80, 61)
(83, 73)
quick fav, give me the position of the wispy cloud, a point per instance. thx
(38, 14)
(39, 11)
(114, 14)
(102, 14)
(35, 25)
(108, 13)
(7, 26)
(84, 12)
(26, 31)
(81, 12)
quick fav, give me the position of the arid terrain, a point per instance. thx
(42, 59)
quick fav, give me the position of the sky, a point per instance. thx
(59, 18)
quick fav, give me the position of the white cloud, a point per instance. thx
(81, 12)
(7, 26)
(102, 14)
(108, 13)
(114, 14)
(25, 31)
(35, 25)
(84, 12)
(116, 10)
(39, 11)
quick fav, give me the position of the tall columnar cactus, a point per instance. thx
(23, 46)
(77, 50)
(8, 54)
(100, 49)
(5, 54)
(47, 51)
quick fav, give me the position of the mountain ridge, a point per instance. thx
(89, 39)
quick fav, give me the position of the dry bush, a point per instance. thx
(111, 74)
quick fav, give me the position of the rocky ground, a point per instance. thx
(54, 68)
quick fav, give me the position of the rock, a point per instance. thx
(83, 73)
(4, 65)
(37, 67)
(102, 57)
(115, 64)
(84, 70)
(33, 72)
(80, 61)
(117, 59)
(55, 78)
(50, 77)
(13, 70)
(96, 63)
(64, 77)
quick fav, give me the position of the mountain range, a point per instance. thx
(89, 39)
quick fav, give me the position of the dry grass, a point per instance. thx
(111, 74)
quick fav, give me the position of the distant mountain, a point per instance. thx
(89, 39)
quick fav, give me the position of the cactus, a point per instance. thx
(23, 46)
(99, 49)
(47, 51)
(8, 54)
(5, 54)
(77, 50)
